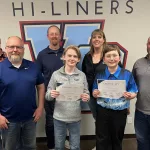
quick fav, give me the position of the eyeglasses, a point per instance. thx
(13, 47)
(111, 56)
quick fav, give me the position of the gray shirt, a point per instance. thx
(68, 111)
(141, 73)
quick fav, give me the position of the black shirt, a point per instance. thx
(91, 69)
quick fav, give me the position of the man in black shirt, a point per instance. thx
(49, 60)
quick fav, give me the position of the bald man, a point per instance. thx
(141, 73)
(19, 79)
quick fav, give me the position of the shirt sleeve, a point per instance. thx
(85, 85)
(39, 62)
(134, 72)
(40, 78)
(132, 87)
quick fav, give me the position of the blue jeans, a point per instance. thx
(24, 131)
(142, 130)
(60, 129)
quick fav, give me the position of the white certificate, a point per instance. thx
(70, 92)
(113, 89)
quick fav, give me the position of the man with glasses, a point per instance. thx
(19, 79)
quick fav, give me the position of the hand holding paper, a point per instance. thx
(70, 92)
(96, 93)
(129, 95)
(85, 97)
(111, 88)
(54, 93)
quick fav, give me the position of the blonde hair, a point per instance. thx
(75, 48)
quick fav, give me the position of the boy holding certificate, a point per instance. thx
(68, 85)
(112, 108)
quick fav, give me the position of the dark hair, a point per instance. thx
(52, 27)
(99, 32)
(109, 48)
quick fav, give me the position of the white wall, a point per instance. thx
(130, 30)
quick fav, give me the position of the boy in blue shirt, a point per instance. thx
(112, 112)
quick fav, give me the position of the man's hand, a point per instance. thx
(37, 114)
(3, 122)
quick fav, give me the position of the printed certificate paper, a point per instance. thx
(113, 89)
(70, 92)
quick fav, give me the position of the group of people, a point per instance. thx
(55, 67)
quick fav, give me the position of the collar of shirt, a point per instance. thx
(50, 51)
(23, 65)
(62, 70)
(116, 74)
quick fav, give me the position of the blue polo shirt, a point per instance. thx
(120, 74)
(18, 91)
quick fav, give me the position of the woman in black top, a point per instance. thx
(93, 63)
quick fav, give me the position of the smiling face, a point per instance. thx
(111, 56)
(71, 58)
(112, 59)
(53, 35)
(15, 50)
(97, 40)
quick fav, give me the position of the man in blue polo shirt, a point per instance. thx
(19, 79)
(49, 60)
